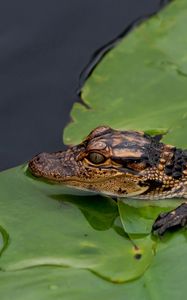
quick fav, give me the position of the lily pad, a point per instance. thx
(165, 279)
(94, 210)
(48, 227)
(141, 84)
(4, 240)
(1, 242)
(138, 216)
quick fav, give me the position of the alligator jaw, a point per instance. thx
(62, 167)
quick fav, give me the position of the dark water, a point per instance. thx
(44, 47)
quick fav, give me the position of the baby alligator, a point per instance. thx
(122, 164)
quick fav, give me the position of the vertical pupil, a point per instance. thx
(96, 157)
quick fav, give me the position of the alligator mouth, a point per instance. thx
(37, 173)
(131, 189)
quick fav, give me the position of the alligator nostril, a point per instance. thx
(39, 159)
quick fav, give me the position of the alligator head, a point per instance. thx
(118, 163)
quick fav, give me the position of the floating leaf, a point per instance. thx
(138, 216)
(165, 279)
(141, 83)
(47, 227)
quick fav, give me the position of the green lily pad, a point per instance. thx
(138, 216)
(1, 243)
(140, 84)
(94, 210)
(48, 227)
(4, 240)
(165, 279)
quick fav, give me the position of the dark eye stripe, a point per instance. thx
(125, 160)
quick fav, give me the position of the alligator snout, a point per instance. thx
(39, 163)
(58, 166)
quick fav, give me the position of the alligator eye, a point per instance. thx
(96, 158)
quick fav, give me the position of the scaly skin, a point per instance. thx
(122, 164)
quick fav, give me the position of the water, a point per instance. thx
(44, 48)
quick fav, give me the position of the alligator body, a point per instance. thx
(122, 164)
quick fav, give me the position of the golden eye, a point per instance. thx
(96, 158)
